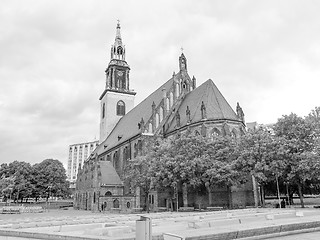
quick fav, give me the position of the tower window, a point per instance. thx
(121, 108)
(103, 110)
(119, 50)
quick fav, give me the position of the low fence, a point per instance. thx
(20, 209)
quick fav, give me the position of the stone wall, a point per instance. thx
(117, 203)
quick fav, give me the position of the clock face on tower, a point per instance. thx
(120, 79)
(119, 73)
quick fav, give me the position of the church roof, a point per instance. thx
(109, 175)
(127, 127)
(217, 107)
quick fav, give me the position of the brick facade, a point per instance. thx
(176, 107)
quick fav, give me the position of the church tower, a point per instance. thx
(117, 99)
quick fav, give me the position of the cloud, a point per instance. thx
(264, 55)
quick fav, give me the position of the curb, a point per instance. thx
(263, 232)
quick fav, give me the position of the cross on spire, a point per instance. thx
(118, 34)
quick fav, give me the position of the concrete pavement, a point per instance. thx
(233, 224)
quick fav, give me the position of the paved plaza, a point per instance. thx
(301, 236)
(228, 224)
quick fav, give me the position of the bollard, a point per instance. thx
(143, 228)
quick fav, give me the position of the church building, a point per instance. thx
(175, 107)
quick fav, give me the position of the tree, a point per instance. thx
(300, 140)
(221, 166)
(314, 119)
(6, 186)
(50, 179)
(262, 155)
(22, 174)
(178, 162)
(138, 175)
(4, 170)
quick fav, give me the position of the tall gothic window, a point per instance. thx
(171, 99)
(103, 110)
(121, 108)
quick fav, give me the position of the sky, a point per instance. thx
(53, 54)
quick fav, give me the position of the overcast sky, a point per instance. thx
(53, 54)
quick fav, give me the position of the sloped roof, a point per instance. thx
(109, 175)
(216, 105)
(127, 126)
(216, 108)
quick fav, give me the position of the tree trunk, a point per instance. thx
(209, 196)
(229, 196)
(300, 194)
(255, 192)
(185, 195)
(147, 201)
(263, 200)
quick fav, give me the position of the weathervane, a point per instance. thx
(181, 49)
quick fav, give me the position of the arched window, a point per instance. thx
(121, 108)
(114, 160)
(135, 150)
(167, 104)
(157, 120)
(103, 110)
(183, 85)
(139, 146)
(150, 127)
(171, 99)
(108, 193)
(117, 164)
(161, 114)
(177, 90)
(119, 50)
(125, 154)
(214, 133)
(116, 203)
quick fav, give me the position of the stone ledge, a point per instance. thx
(262, 232)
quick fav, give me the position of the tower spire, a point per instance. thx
(117, 98)
(118, 33)
(118, 49)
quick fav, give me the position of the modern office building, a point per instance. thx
(78, 153)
